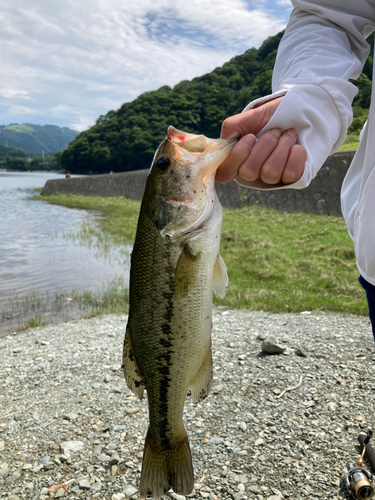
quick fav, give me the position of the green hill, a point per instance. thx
(13, 153)
(126, 139)
(36, 138)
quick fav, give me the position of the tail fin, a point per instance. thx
(166, 470)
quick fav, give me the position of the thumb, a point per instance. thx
(249, 122)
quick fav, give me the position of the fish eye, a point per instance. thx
(163, 163)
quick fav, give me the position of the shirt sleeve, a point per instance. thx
(323, 47)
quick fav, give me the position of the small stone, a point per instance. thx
(116, 368)
(241, 479)
(17, 350)
(45, 460)
(97, 450)
(302, 352)
(117, 428)
(84, 484)
(2, 445)
(70, 416)
(29, 486)
(177, 497)
(115, 458)
(95, 487)
(95, 385)
(274, 497)
(241, 487)
(331, 406)
(216, 440)
(129, 490)
(13, 497)
(132, 411)
(117, 496)
(242, 357)
(270, 346)
(243, 426)
(59, 493)
(259, 442)
(104, 458)
(27, 467)
(107, 378)
(68, 447)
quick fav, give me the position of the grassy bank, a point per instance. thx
(276, 261)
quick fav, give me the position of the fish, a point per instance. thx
(175, 265)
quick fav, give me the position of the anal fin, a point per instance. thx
(201, 385)
(132, 374)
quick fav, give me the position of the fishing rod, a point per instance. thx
(358, 479)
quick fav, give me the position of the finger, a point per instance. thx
(295, 165)
(249, 122)
(273, 168)
(229, 168)
(251, 167)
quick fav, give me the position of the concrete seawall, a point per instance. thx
(321, 197)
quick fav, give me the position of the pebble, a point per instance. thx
(68, 423)
(271, 346)
(129, 490)
(2, 445)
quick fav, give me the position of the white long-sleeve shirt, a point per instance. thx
(324, 45)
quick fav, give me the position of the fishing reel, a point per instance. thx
(358, 479)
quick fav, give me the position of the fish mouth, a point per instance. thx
(214, 151)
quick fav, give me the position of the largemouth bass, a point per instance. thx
(175, 265)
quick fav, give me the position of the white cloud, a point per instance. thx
(76, 60)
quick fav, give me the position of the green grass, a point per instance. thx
(276, 261)
(351, 143)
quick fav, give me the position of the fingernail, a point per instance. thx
(276, 132)
(250, 139)
(291, 132)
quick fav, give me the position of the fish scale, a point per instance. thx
(174, 262)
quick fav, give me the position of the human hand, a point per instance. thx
(274, 157)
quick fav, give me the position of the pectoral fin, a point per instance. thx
(186, 271)
(201, 385)
(220, 279)
(132, 374)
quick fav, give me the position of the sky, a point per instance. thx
(66, 62)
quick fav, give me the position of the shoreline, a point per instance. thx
(63, 384)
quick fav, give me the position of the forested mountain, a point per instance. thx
(36, 138)
(126, 139)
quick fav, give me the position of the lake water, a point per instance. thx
(36, 259)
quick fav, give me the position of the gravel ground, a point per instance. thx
(69, 427)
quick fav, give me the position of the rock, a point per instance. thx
(70, 416)
(302, 352)
(13, 497)
(2, 445)
(115, 458)
(68, 447)
(216, 440)
(129, 490)
(117, 496)
(243, 426)
(104, 458)
(274, 497)
(132, 411)
(95, 488)
(270, 346)
(97, 449)
(241, 479)
(331, 406)
(259, 442)
(59, 493)
(84, 484)
(27, 467)
(177, 497)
